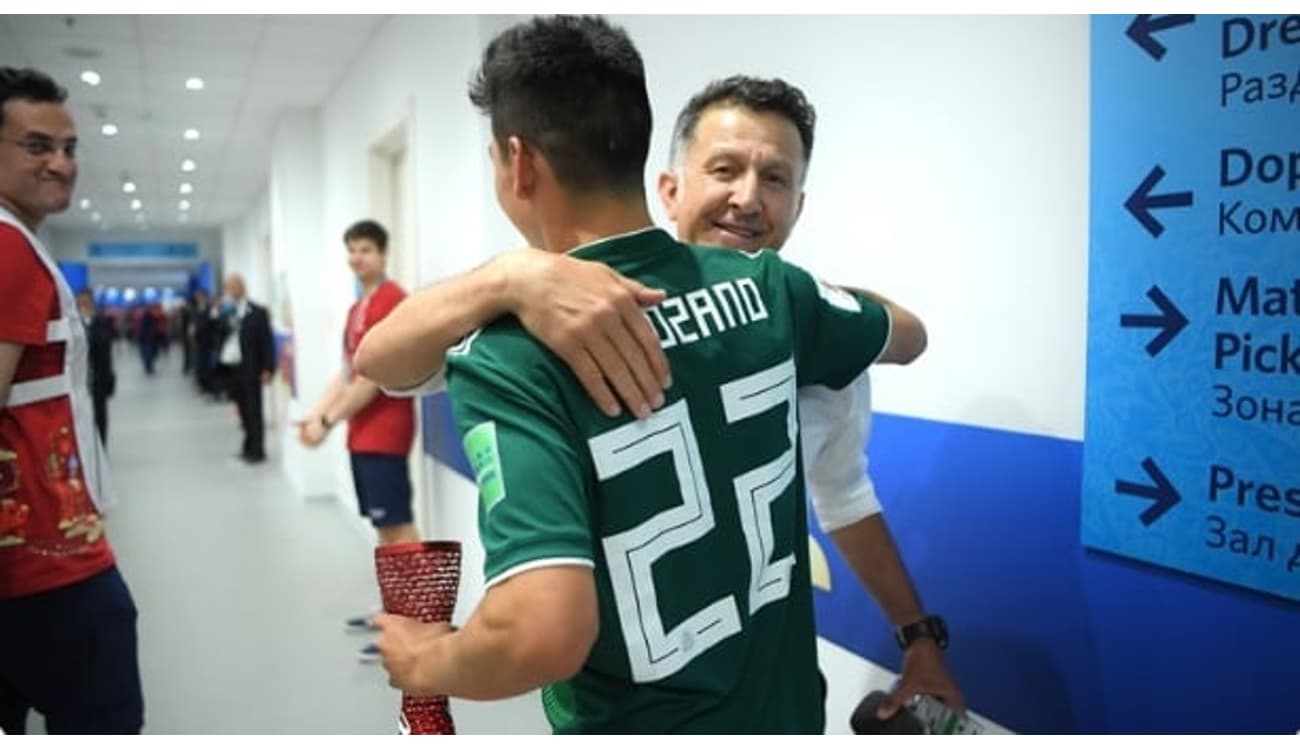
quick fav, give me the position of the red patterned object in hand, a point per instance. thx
(420, 580)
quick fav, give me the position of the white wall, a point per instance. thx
(950, 173)
(298, 275)
(245, 251)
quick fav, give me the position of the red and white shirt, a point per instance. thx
(387, 424)
(50, 532)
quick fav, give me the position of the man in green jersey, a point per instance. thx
(652, 574)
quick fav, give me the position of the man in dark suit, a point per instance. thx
(100, 333)
(250, 353)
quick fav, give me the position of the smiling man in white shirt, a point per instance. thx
(740, 154)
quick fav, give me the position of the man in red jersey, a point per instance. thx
(381, 428)
(67, 621)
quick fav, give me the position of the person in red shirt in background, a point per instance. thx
(67, 620)
(381, 428)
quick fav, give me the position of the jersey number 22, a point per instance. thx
(653, 652)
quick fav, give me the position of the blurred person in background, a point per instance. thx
(249, 352)
(103, 380)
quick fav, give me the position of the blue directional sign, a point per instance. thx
(144, 250)
(1192, 433)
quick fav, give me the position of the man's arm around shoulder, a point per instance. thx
(907, 335)
(582, 310)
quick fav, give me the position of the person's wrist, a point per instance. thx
(924, 646)
(325, 422)
(504, 285)
(931, 628)
(438, 654)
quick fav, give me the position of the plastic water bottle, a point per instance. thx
(937, 718)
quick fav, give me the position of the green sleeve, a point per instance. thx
(532, 496)
(839, 333)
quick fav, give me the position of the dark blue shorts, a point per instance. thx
(383, 488)
(70, 653)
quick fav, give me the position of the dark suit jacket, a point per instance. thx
(256, 345)
(210, 332)
(100, 334)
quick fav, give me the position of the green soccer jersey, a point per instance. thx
(693, 520)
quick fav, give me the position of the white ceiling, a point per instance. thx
(254, 68)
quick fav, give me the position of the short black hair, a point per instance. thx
(573, 87)
(30, 85)
(758, 94)
(368, 229)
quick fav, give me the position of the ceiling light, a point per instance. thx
(108, 128)
(186, 188)
(128, 187)
(136, 205)
(90, 77)
(185, 205)
(95, 216)
(188, 165)
(194, 83)
(85, 203)
(191, 134)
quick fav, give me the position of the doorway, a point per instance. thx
(392, 204)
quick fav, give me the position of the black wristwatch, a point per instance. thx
(930, 626)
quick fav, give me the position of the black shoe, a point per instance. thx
(253, 459)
